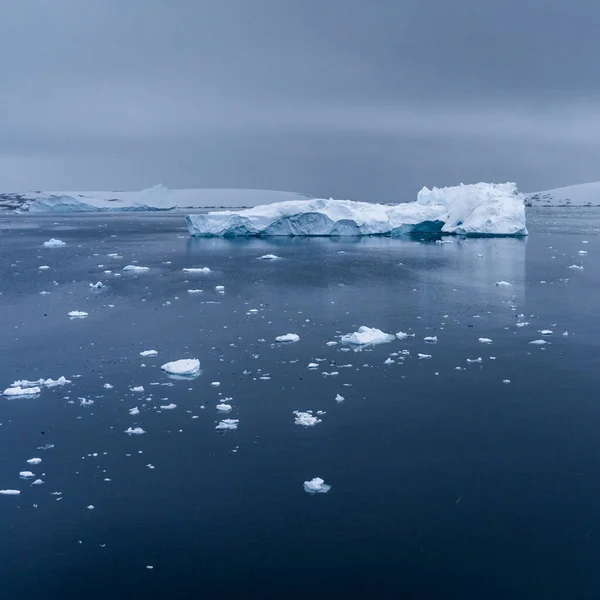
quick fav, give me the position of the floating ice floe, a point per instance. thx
(34, 461)
(539, 342)
(215, 383)
(576, 267)
(10, 492)
(43, 267)
(170, 406)
(431, 339)
(22, 391)
(195, 291)
(97, 286)
(134, 431)
(288, 337)
(503, 284)
(546, 332)
(228, 424)
(220, 288)
(149, 353)
(312, 366)
(26, 475)
(474, 360)
(195, 270)
(339, 398)
(402, 336)
(78, 314)
(136, 268)
(582, 252)
(54, 243)
(423, 356)
(40, 382)
(485, 341)
(134, 411)
(224, 407)
(316, 486)
(185, 367)
(306, 419)
(268, 257)
(137, 388)
(367, 336)
(479, 209)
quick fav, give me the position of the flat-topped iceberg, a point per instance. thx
(482, 209)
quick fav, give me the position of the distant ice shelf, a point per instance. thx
(581, 195)
(483, 209)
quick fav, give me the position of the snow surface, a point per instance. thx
(479, 209)
(156, 198)
(367, 335)
(584, 194)
(183, 367)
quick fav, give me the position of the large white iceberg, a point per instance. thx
(479, 209)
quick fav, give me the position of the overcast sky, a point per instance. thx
(363, 99)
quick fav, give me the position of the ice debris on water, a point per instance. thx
(401, 335)
(54, 243)
(134, 431)
(316, 486)
(78, 314)
(183, 367)
(485, 341)
(97, 286)
(288, 337)
(474, 360)
(503, 284)
(204, 270)
(224, 407)
(339, 398)
(134, 411)
(306, 419)
(170, 406)
(135, 269)
(22, 391)
(34, 461)
(576, 267)
(26, 475)
(423, 356)
(10, 492)
(268, 257)
(539, 342)
(367, 336)
(195, 291)
(546, 332)
(149, 353)
(228, 424)
(431, 339)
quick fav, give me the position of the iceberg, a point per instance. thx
(581, 195)
(482, 209)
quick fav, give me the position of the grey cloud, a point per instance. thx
(351, 98)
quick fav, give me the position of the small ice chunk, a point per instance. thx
(503, 284)
(78, 314)
(313, 366)
(149, 353)
(367, 336)
(38, 482)
(139, 388)
(220, 288)
(196, 270)
(389, 361)
(431, 339)
(10, 492)
(97, 286)
(539, 342)
(402, 336)
(506, 381)
(54, 243)
(474, 360)
(107, 386)
(485, 341)
(421, 356)
(134, 431)
(26, 475)
(34, 461)
(288, 337)
(85, 402)
(546, 332)
(576, 267)
(195, 291)
(215, 383)
(134, 411)
(90, 507)
(582, 252)
(228, 424)
(20, 391)
(331, 344)
(43, 267)
(268, 257)
(339, 398)
(135, 268)
(224, 407)
(306, 419)
(170, 406)
(185, 367)
(316, 486)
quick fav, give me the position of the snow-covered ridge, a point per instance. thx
(479, 209)
(152, 199)
(584, 194)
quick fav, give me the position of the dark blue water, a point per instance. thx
(446, 482)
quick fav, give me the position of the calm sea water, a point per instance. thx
(446, 481)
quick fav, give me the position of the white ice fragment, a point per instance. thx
(220, 288)
(134, 431)
(422, 356)
(34, 461)
(107, 386)
(224, 407)
(136, 268)
(485, 341)
(97, 286)
(215, 383)
(503, 283)
(367, 336)
(288, 337)
(306, 419)
(195, 291)
(90, 507)
(21, 391)
(474, 360)
(26, 475)
(139, 388)
(85, 402)
(195, 270)
(331, 344)
(431, 339)
(313, 366)
(149, 353)
(576, 267)
(54, 243)
(170, 406)
(546, 332)
(10, 492)
(316, 486)
(38, 482)
(539, 342)
(339, 398)
(402, 336)
(78, 314)
(43, 267)
(506, 381)
(134, 411)
(185, 367)
(228, 424)
(582, 252)
(389, 361)
(268, 257)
